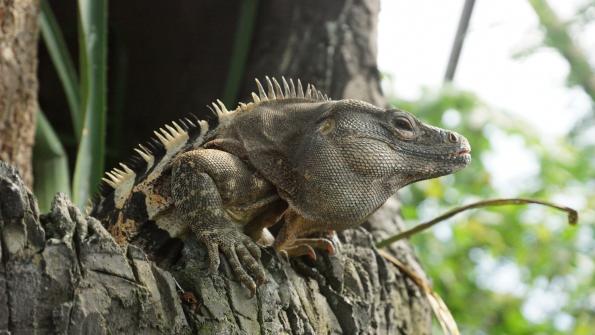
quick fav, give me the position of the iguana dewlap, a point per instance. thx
(291, 157)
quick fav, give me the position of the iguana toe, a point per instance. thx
(306, 246)
(299, 250)
(242, 254)
(238, 270)
(250, 261)
(213, 254)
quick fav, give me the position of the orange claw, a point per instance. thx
(330, 248)
(311, 253)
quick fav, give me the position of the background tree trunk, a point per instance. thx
(18, 82)
(63, 272)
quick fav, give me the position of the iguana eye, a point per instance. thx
(403, 124)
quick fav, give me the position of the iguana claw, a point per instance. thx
(242, 254)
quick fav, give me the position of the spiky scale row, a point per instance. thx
(274, 91)
(147, 155)
(289, 91)
(144, 153)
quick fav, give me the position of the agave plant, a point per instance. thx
(86, 98)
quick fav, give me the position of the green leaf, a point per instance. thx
(93, 58)
(50, 164)
(241, 46)
(54, 41)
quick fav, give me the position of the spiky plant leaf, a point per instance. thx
(93, 65)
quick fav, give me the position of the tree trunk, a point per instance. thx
(18, 82)
(330, 43)
(62, 272)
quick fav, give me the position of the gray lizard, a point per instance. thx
(296, 158)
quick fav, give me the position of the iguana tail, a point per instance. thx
(127, 197)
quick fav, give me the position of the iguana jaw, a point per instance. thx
(427, 160)
(456, 157)
(433, 166)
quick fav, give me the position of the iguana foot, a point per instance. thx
(241, 253)
(298, 250)
(289, 243)
(306, 246)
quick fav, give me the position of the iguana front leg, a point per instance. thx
(290, 239)
(203, 181)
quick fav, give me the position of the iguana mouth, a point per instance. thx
(460, 153)
(463, 153)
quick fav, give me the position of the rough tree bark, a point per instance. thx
(18, 82)
(62, 272)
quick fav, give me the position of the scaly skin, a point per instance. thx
(311, 164)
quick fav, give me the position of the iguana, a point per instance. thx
(291, 157)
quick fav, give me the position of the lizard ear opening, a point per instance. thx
(327, 126)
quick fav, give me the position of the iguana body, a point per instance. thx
(312, 164)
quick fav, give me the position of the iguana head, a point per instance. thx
(393, 144)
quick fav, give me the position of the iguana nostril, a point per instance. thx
(452, 138)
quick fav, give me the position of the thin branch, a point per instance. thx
(441, 311)
(457, 45)
(572, 216)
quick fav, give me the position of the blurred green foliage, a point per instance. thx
(518, 269)
(494, 268)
